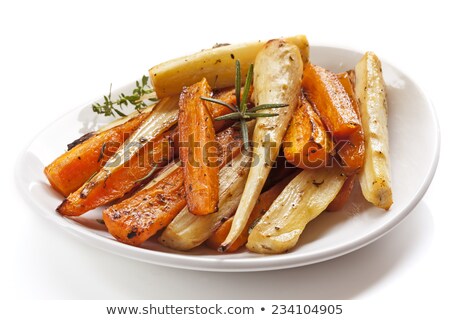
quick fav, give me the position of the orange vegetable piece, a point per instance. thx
(306, 143)
(197, 135)
(351, 150)
(333, 104)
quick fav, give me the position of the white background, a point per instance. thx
(56, 55)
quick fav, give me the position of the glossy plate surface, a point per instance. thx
(414, 151)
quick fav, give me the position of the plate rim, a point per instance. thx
(209, 263)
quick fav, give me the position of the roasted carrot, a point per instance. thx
(351, 150)
(201, 175)
(262, 205)
(306, 143)
(87, 155)
(325, 91)
(343, 195)
(136, 219)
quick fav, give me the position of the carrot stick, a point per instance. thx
(324, 90)
(351, 152)
(201, 175)
(306, 143)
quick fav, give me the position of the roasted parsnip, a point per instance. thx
(277, 79)
(304, 198)
(216, 65)
(375, 176)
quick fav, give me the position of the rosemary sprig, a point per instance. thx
(139, 99)
(240, 111)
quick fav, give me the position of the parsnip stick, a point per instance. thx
(375, 176)
(277, 79)
(216, 65)
(304, 198)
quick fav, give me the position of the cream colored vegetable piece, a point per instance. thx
(304, 198)
(277, 79)
(216, 65)
(370, 92)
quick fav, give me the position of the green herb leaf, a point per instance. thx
(142, 95)
(248, 83)
(219, 102)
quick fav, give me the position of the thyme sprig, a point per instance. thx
(140, 98)
(240, 111)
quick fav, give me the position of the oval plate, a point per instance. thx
(414, 151)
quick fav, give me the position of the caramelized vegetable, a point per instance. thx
(326, 92)
(136, 219)
(341, 199)
(262, 205)
(351, 150)
(306, 144)
(201, 174)
(87, 155)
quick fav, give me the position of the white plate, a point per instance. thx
(414, 144)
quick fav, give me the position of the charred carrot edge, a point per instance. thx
(341, 198)
(325, 91)
(201, 176)
(72, 169)
(352, 150)
(262, 205)
(132, 173)
(136, 219)
(306, 143)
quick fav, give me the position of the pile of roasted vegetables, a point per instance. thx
(207, 162)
